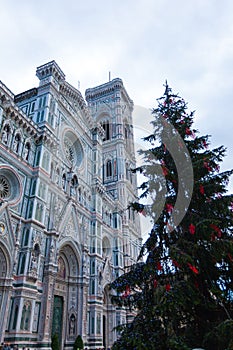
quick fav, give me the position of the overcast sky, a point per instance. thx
(144, 42)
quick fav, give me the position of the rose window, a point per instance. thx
(5, 191)
(72, 149)
(10, 185)
(69, 150)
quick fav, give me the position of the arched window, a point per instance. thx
(25, 238)
(40, 116)
(61, 268)
(57, 175)
(64, 182)
(116, 243)
(98, 247)
(3, 265)
(98, 323)
(127, 171)
(45, 161)
(16, 143)
(30, 209)
(51, 171)
(6, 134)
(126, 133)
(33, 187)
(15, 317)
(74, 181)
(26, 316)
(93, 267)
(26, 151)
(106, 247)
(36, 250)
(39, 212)
(115, 221)
(93, 287)
(42, 190)
(80, 195)
(109, 168)
(116, 259)
(37, 158)
(72, 324)
(110, 219)
(106, 126)
(22, 263)
(92, 247)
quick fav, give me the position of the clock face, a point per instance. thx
(72, 149)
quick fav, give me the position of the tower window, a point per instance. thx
(106, 127)
(109, 168)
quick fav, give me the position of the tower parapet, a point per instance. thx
(113, 89)
(50, 72)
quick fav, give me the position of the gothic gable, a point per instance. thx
(69, 226)
(76, 102)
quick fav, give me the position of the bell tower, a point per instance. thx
(111, 108)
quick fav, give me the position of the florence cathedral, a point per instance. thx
(66, 230)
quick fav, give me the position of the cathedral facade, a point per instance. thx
(66, 230)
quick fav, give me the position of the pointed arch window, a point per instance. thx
(98, 323)
(106, 127)
(92, 247)
(39, 212)
(80, 195)
(64, 182)
(93, 267)
(15, 317)
(74, 181)
(16, 143)
(93, 286)
(37, 158)
(3, 265)
(61, 268)
(25, 238)
(26, 316)
(46, 160)
(6, 134)
(51, 171)
(26, 151)
(57, 176)
(22, 261)
(116, 259)
(109, 168)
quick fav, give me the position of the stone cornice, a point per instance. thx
(25, 95)
(76, 97)
(107, 89)
(4, 89)
(13, 112)
(16, 114)
(50, 69)
(104, 89)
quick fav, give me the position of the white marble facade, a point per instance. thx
(65, 230)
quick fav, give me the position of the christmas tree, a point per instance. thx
(182, 284)
(55, 342)
(78, 344)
